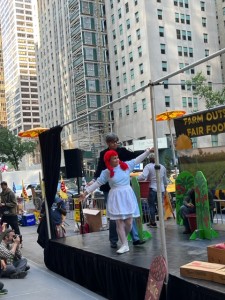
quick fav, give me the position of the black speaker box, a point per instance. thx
(73, 163)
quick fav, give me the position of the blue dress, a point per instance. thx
(121, 202)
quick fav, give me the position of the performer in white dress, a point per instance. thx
(122, 204)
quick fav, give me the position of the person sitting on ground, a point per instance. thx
(16, 265)
(122, 204)
(58, 214)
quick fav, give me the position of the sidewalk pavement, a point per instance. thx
(41, 282)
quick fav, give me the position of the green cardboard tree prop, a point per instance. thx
(204, 228)
(141, 233)
(184, 182)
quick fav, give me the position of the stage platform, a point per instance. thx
(89, 261)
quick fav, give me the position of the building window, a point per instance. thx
(214, 139)
(202, 4)
(119, 13)
(135, 107)
(206, 52)
(208, 68)
(183, 87)
(177, 18)
(133, 88)
(182, 19)
(144, 104)
(167, 101)
(127, 110)
(124, 77)
(189, 102)
(161, 31)
(125, 92)
(131, 56)
(128, 23)
(132, 74)
(205, 37)
(140, 51)
(113, 19)
(164, 66)
(121, 29)
(159, 13)
(115, 50)
(129, 40)
(189, 35)
(181, 4)
(184, 37)
(116, 65)
(120, 113)
(122, 45)
(203, 22)
(142, 83)
(135, 2)
(137, 17)
(111, 3)
(117, 81)
(179, 48)
(165, 84)
(188, 19)
(141, 70)
(194, 142)
(175, 2)
(185, 49)
(191, 52)
(114, 34)
(138, 33)
(184, 102)
(186, 5)
(123, 61)
(127, 7)
(178, 34)
(163, 48)
(195, 102)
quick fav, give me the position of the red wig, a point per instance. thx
(107, 157)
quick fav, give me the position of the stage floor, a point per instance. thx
(179, 248)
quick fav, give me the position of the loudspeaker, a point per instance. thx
(73, 163)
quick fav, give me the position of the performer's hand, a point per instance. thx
(3, 264)
(90, 182)
(82, 197)
(4, 227)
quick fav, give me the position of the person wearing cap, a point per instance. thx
(112, 142)
(149, 173)
(122, 204)
(8, 206)
(16, 265)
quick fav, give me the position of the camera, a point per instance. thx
(17, 235)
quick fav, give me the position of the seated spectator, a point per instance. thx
(16, 266)
(58, 214)
(188, 207)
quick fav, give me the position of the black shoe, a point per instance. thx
(138, 242)
(27, 268)
(153, 225)
(112, 245)
(3, 291)
(19, 275)
(186, 231)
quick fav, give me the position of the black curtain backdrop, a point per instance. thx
(50, 144)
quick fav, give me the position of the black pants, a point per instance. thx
(12, 221)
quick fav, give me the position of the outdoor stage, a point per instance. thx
(89, 261)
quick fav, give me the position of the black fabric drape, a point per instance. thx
(50, 144)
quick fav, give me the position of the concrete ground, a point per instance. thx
(40, 283)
